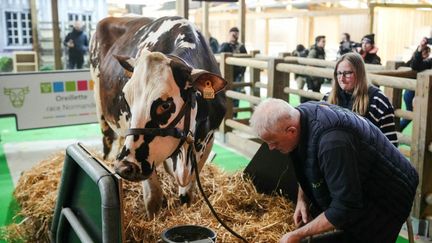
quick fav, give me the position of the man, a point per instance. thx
(351, 177)
(234, 46)
(369, 51)
(346, 45)
(419, 62)
(316, 51)
(77, 44)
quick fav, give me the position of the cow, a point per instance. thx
(158, 90)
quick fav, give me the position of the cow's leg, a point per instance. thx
(152, 195)
(186, 192)
(108, 137)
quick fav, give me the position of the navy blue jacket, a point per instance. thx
(351, 172)
(80, 41)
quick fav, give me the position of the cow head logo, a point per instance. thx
(16, 95)
(161, 95)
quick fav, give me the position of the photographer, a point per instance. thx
(346, 45)
(418, 62)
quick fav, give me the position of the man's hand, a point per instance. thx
(290, 237)
(70, 44)
(301, 213)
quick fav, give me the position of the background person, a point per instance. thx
(351, 177)
(300, 51)
(351, 90)
(420, 61)
(214, 44)
(234, 46)
(346, 45)
(369, 51)
(77, 43)
(316, 51)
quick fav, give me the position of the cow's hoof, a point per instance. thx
(184, 198)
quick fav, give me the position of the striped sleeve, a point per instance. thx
(381, 114)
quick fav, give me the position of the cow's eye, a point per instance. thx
(164, 107)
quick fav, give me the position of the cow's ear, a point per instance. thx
(207, 83)
(128, 63)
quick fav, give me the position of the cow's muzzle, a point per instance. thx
(131, 171)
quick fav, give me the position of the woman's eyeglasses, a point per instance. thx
(345, 74)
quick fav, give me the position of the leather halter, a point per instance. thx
(170, 129)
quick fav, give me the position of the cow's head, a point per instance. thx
(161, 95)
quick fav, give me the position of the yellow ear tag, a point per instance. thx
(128, 73)
(208, 92)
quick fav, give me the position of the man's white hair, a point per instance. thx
(267, 115)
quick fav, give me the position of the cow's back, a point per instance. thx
(129, 37)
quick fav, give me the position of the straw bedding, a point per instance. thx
(257, 217)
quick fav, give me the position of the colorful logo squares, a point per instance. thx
(58, 87)
(45, 88)
(66, 86)
(82, 85)
(70, 86)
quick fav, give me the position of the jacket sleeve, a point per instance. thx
(67, 38)
(243, 49)
(338, 161)
(312, 53)
(381, 110)
(225, 47)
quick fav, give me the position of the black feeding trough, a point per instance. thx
(188, 233)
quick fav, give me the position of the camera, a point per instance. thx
(429, 41)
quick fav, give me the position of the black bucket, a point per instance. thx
(188, 233)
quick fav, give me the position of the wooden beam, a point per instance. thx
(246, 62)
(56, 36)
(242, 20)
(35, 33)
(241, 96)
(182, 7)
(205, 20)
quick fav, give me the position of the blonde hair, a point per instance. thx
(360, 93)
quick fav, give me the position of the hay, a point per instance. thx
(257, 217)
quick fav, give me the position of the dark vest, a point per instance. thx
(391, 181)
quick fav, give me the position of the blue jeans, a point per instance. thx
(408, 98)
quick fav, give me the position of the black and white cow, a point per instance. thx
(157, 86)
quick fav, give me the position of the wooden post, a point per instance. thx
(242, 20)
(205, 20)
(227, 73)
(421, 157)
(276, 81)
(182, 7)
(254, 76)
(393, 94)
(35, 33)
(56, 36)
(286, 76)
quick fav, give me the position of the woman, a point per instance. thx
(351, 90)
